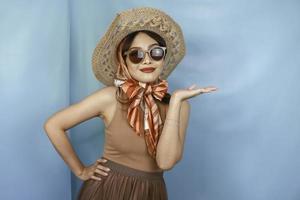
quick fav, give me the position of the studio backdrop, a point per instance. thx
(243, 141)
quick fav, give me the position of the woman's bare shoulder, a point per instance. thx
(107, 95)
(100, 102)
(107, 91)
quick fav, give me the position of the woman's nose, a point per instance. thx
(147, 59)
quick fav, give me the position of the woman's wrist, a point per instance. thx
(174, 101)
(173, 110)
(79, 173)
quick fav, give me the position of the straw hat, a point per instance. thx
(104, 60)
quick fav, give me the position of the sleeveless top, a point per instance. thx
(122, 145)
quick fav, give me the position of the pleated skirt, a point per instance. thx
(124, 183)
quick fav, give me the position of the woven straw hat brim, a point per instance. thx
(104, 62)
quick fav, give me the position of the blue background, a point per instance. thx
(243, 141)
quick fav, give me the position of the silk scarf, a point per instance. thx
(144, 93)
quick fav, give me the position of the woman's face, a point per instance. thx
(145, 42)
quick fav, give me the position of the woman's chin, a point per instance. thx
(146, 80)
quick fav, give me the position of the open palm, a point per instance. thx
(192, 91)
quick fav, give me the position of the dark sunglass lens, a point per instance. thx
(136, 56)
(157, 53)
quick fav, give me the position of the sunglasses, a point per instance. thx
(137, 54)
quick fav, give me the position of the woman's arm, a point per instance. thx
(96, 104)
(171, 143)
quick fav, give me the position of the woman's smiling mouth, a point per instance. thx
(147, 69)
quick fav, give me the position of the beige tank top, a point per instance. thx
(124, 146)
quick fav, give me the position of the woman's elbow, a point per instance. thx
(167, 165)
(50, 125)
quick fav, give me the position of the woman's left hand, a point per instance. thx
(191, 91)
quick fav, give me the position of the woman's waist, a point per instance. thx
(142, 164)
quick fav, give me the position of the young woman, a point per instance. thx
(145, 126)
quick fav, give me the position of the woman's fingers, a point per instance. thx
(98, 171)
(191, 91)
(206, 89)
(102, 160)
(209, 89)
(103, 168)
(202, 90)
(95, 178)
(99, 166)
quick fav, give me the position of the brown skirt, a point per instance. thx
(124, 183)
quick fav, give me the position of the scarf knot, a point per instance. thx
(136, 92)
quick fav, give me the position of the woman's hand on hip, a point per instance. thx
(90, 171)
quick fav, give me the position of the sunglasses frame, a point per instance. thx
(147, 51)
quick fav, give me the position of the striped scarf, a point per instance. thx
(138, 93)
